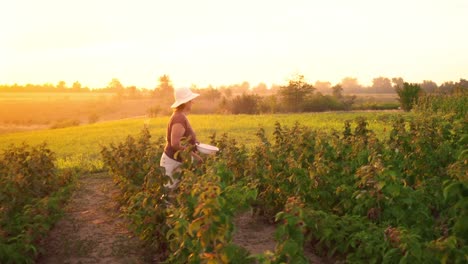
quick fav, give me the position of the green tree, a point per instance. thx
(408, 94)
(245, 104)
(269, 104)
(296, 93)
(337, 91)
(211, 93)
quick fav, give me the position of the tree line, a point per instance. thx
(349, 85)
(296, 96)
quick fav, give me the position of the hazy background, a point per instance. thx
(222, 42)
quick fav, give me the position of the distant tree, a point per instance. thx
(348, 101)
(428, 86)
(351, 85)
(132, 91)
(446, 88)
(261, 88)
(337, 91)
(323, 87)
(115, 85)
(269, 104)
(245, 86)
(397, 82)
(227, 92)
(76, 87)
(295, 94)
(245, 104)
(461, 87)
(240, 88)
(164, 90)
(382, 85)
(463, 83)
(48, 87)
(453, 87)
(275, 89)
(61, 86)
(340, 102)
(210, 93)
(223, 106)
(408, 94)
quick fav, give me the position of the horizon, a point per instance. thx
(213, 43)
(360, 85)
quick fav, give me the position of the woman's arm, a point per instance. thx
(177, 133)
(176, 136)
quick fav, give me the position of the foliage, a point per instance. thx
(454, 104)
(32, 192)
(201, 221)
(295, 94)
(376, 106)
(134, 166)
(395, 184)
(351, 195)
(408, 95)
(291, 233)
(245, 104)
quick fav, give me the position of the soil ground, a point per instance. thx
(92, 231)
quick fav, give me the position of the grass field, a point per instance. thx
(80, 146)
(31, 111)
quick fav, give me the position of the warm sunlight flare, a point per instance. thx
(225, 42)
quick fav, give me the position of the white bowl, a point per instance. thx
(207, 149)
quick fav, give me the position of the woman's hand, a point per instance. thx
(197, 157)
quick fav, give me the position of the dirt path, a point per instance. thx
(91, 230)
(257, 236)
(253, 234)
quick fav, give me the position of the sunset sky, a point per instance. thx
(202, 42)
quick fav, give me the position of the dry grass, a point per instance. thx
(30, 111)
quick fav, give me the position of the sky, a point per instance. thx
(217, 42)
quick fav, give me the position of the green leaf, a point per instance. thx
(393, 190)
(380, 185)
(290, 247)
(450, 190)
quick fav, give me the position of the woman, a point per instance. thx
(179, 130)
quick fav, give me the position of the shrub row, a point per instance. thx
(32, 192)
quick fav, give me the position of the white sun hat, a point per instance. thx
(182, 96)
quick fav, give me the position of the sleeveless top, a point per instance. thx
(178, 118)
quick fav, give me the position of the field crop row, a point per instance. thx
(32, 193)
(351, 194)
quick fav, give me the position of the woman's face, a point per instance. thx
(188, 106)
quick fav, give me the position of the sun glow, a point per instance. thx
(216, 42)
